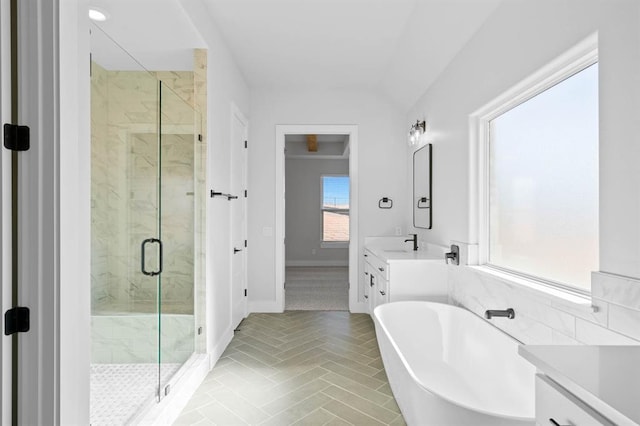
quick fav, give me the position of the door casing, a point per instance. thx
(238, 169)
(355, 305)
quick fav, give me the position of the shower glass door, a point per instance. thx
(179, 131)
(124, 213)
(144, 139)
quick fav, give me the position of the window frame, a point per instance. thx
(325, 243)
(572, 62)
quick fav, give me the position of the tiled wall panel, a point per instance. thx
(124, 339)
(125, 195)
(612, 317)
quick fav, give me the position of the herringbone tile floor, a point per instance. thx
(299, 367)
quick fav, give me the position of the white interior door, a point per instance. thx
(239, 243)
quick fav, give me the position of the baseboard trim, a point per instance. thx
(359, 308)
(264, 307)
(216, 352)
(317, 263)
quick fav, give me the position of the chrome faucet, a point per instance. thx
(454, 255)
(415, 241)
(509, 313)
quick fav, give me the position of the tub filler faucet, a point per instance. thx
(509, 313)
(415, 241)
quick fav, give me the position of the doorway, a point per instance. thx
(316, 226)
(317, 222)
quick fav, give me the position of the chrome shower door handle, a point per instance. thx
(142, 257)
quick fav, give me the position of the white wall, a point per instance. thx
(303, 214)
(75, 217)
(519, 38)
(226, 85)
(381, 159)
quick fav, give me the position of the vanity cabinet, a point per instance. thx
(393, 275)
(584, 385)
(369, 285)
(376, 285)
(556, 404)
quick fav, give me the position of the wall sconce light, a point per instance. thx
(416, 132)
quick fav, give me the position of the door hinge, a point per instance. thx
(16, 320)
(245, 292)
(245, 243)
(16, 138)
(199, 138)
(245, 144)
(245, 193)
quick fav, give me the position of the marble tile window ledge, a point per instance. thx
(540, 289)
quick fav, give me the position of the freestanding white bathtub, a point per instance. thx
(448, 367)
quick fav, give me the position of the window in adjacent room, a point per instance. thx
(335, 209)
(542, 189)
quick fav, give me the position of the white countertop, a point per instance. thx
(404, 254)
(396, 248)
(611, 374)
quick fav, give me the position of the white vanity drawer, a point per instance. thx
(377, 264)
(556, 404)
(382, 291)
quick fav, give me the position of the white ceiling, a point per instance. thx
(396, 47)
(157, 33)
(312, 43)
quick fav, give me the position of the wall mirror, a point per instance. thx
(422, 207)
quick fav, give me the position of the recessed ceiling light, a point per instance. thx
(96, 14)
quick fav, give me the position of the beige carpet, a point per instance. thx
(317, 289)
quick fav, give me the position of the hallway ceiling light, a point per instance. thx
(99, 15)
(416, 132)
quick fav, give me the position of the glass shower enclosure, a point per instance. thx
(144, 138)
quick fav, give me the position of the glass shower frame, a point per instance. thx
(180, 132)
(145, 141)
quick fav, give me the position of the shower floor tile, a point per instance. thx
(119, 391)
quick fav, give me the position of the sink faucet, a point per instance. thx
(454, 255)
(415, 241)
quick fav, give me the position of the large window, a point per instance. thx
(335, 209)
(543, 183)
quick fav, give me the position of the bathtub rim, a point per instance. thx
(419, 382)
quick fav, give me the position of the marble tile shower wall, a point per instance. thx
(124, 190)
(117, 339)
(100, 223)
(613, 317)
